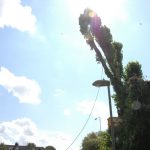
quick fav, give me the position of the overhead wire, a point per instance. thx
(88, 116)
(85, 122)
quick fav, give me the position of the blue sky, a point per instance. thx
(47, 69)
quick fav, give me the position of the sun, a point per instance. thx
(108, 10)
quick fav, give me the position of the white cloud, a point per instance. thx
(24, 130)
(67, 112)
(100, 110)
(13, 14)
(59, 92)
(25, 89)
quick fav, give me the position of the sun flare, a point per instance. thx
(108, 10)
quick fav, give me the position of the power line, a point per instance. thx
(88, 116)
(85, 122)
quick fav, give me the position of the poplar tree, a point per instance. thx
(132, 92)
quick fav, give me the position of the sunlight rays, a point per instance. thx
(109, 11)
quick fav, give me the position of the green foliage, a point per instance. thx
(104, 141)
(133, 69)
(90, 142)
(117, 61)
(3, 146)
(134, 133)
(85, 21)
(136, 118)
(104, 38)
(91, 28)
(97, 141)
(50, 148)
(31, 146)
(110, 54)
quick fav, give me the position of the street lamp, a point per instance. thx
(100, 83)
(99, 118)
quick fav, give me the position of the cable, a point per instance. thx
(88, 116)
(85, 122)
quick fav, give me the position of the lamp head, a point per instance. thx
(99, 83)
